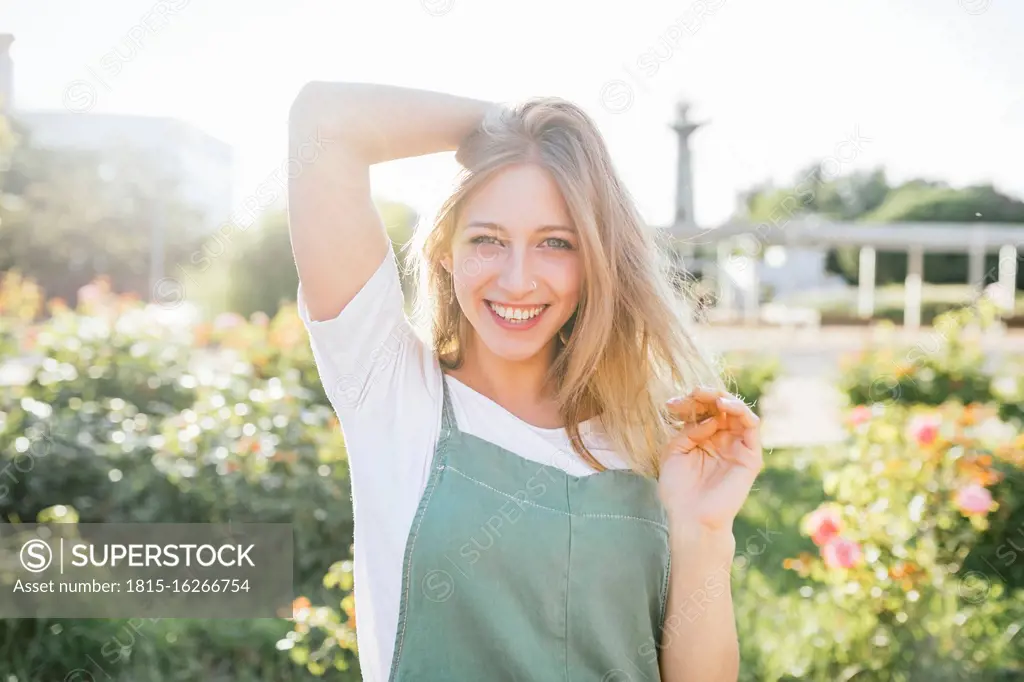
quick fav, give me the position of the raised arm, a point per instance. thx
(336, 132)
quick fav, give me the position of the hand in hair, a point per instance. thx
(709, 466)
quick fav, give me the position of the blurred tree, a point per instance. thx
(866, 196)
(812, 193)
(261, 273)
(69, 216)
(923, 201)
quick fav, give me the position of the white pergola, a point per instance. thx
(792, 230)
(975, 239)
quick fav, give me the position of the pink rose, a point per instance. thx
(841, 553)
(974, 499)
(89, 293)
(823, 524)
(925, 429)
(228, 321)
(860, 415)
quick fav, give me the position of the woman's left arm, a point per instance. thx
(698, 639)
(707, 472)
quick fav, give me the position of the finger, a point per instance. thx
(739, 478)
(692, 409)
(748, 459)
(697, 406)
(746, 427)
(729, 448)
(701, 394)
(737, 427)
(735, 407)
(738, 455)
(751, 438)
(722, 444)
(691, 436)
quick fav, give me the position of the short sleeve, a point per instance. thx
(382, 380)
(344, 344)
(366, 341)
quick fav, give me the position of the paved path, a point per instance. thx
(803, 407)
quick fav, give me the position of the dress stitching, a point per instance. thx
(664, 590)
(446, 436)
(551, 509)
(408, 566)
(568, 581)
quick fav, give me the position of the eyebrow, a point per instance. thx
(501, 228)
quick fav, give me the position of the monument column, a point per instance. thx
(684, 128)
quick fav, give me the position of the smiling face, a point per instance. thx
(516, 262)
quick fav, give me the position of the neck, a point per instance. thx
(520, 386)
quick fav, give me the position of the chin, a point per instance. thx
(512, 351)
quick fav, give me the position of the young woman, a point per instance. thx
(545, 480)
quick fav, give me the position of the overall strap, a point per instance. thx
(448, 423)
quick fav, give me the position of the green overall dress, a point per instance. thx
(517, 571)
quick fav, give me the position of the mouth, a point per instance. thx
(516, 316)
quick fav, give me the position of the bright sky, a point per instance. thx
(932, 88)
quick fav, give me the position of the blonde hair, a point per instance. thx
(628, 348)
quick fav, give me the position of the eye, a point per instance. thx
(485, 239)
(557, 243)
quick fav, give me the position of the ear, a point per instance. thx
(446, 263)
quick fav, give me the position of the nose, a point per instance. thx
(515, 277)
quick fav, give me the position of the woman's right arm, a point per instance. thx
(336, 131)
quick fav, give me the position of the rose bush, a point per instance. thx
(124, 417)
(906, 571)
(909, 501)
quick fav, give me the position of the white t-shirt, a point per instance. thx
(385, 386)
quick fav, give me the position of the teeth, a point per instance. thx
(516, 314)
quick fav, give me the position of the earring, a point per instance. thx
(564, 335)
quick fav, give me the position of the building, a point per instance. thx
(201, 165)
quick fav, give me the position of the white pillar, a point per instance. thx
(866, 282)
(912, 288)
(6, 73)
(724, 280)
(1008, 278)
(976, 264)
(752, 306)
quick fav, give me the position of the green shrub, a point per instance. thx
(949, 365)
(750, 376)
(127, 420)
(145, 650)
(79, 433)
